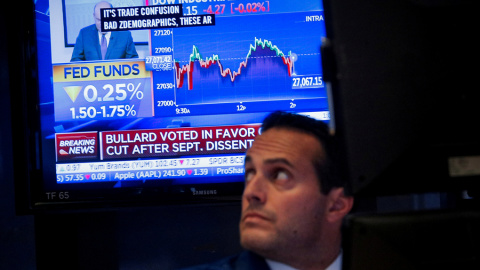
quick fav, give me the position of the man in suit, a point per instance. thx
(294, 199)
(93, 44)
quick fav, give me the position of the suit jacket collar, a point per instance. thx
(249, 260)
(113, 39)
(93, 33)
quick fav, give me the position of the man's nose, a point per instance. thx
(256, 189)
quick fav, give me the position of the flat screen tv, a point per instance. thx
(172, 123)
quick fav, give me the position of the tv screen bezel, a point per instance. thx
(30, 191)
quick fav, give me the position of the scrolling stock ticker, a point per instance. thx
(236, 57)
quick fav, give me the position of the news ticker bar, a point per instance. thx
(153, 169)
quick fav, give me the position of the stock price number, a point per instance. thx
(61, 178)
(173, 173)
(72, 167)
(192, 161)
(158, 33)
(307, 82)
(159, 62)
(166, 163)
(98, 176)
(254, 7)
(216, 9)
(166, 103)
(200, 172)
(165, 86)
(163, 50)
(190, 10)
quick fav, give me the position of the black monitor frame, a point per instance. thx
(30, 192)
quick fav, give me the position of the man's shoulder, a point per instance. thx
(91, 27)
(244, 261)
(122, 34)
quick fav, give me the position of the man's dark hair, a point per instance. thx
(328, 172)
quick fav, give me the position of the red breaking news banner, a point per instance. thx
(177, 141)
(155, 142)
(76, 146)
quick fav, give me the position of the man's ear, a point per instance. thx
(338, 205)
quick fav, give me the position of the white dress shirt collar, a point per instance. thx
(274, 265)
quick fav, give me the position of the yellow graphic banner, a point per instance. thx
(79, 71)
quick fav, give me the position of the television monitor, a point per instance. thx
(171, 124)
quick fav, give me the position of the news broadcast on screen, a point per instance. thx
(168, 94)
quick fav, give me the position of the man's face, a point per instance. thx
(96, 14)
(282, 206)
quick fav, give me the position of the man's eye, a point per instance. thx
(248, 175)
(281, 175)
